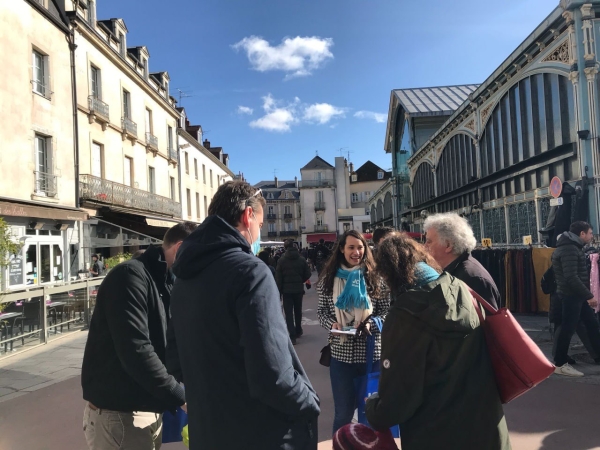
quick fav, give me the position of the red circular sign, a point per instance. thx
(555, 187)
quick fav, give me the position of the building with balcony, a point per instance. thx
(202, 171)
(37, 157)
(282, 216)
(534, 118)
(127, 126)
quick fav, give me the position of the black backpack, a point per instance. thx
(548, 283)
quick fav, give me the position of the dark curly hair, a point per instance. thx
(397, 256)
(336, 259)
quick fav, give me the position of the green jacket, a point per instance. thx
(291, 273)
(436, 376)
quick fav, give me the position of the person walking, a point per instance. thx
(245, 386)
(450, 240)
(322, 254)
(125, 383)
(350, 295)
(95, 267)
(573, 287)
(265, 256)
(436, 380)
(291, 275)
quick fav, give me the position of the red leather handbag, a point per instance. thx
(518, 362)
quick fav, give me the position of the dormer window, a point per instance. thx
(122, 46)
(380, 175)
(354, 177)
(145, 64)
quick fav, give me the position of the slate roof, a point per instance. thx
(317, 163)
(434, 101)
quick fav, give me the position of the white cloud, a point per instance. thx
(245, 110)
(297, 56)
(322, 113)
(377, 117)
(276, 118)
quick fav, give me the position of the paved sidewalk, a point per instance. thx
(42, 367)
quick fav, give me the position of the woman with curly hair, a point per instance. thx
(350, 295)
(436, 379)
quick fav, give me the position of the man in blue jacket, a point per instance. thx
(245, 386)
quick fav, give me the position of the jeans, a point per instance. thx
(344, 390)
(292, 305)
(575, 310)
(106, 430)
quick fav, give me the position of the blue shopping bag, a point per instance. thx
(172, 425)
(369, 384)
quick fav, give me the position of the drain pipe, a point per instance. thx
(72, 47)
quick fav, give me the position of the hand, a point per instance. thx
(593, 302)
(184, 407)
(336, 326)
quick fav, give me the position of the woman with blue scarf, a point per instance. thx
(350, 295)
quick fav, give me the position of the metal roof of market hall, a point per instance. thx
(434, 101)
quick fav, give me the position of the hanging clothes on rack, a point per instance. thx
(595, 277)
(542, 260)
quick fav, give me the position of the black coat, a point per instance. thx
(292, 271)
(468, 269)
(245, 386)
(570, 268)
(436, 379)
(123, 363)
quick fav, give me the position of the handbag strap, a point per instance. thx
(489, 308)
(371, 343)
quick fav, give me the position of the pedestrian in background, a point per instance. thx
(245, 386)
(265, 256)
(350, 272)
(573, 287)
(450, 240)
(379, 234)
(322, 254)
(124, 379)
(291, 275)
(436, 379)
(95, 267)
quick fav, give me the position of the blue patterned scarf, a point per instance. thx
(354, 294)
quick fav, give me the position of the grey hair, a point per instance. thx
(453, 229)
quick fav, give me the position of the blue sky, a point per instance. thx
(275, 81)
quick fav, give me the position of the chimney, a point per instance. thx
(206, 143)
(351, 168)
(296, 182)
(276, 182)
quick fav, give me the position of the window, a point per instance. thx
(272, 227)
(211, 178)
(380, 175)
(189, 202)
(95, 82)
(122, 45)
(145, 64)
(354, 177)
(319, 219)
(151, 180)
(126, 104)
(319, 196)
(367, 195)
(196, 168)
(170, 138)
(97, 160)
(40, 74)
(286, 194)
(172, 188)
(271, 210)
(187, 164)
(148, 121)
(90, 13)
(45, 181)
(287, 209)
(128, 171)
(204, 173)
(197, 205)
(205, 206)
(346, 227)
(354, 197)
(289, 226)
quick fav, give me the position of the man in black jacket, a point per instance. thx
(450, 240)
(573, 287)
(245, 386)
(291, 274)
(124, 379)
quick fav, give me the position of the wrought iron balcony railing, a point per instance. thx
(98, 190)
(272, 233)
(45, 183)
(151, 141)
(288, 216)
(319, 206)
(321, 228)
(98, 107)
(172, 154)
(271, 216)
(316, 183)
(289, 233)
(129, 126)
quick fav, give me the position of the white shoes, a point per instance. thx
(567, 371)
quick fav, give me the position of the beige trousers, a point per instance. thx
(107, 430)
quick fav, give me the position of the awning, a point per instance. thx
(163, 223)
(40, 212)
(331, 237)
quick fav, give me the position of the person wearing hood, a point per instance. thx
(245, 386)
(124, 379)
(436, 379)
(292, 274)
(573, 287)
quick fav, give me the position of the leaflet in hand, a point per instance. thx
(346, 330)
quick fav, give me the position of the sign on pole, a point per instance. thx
(555, 187)
(556, 201)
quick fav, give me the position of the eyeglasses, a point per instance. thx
(257, 193)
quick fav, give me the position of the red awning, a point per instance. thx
(310, 238)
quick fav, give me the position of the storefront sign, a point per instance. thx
(15, 270)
